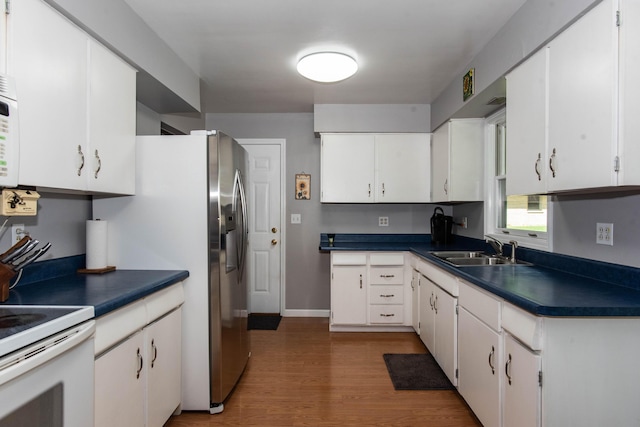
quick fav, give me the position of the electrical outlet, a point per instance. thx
(17, 233)
(296, 219)
(383, 221)
(604, 233)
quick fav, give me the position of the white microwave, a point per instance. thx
(9, 133)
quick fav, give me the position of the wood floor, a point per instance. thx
(304, 375)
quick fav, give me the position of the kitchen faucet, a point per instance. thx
(495, 244)
(514, 246)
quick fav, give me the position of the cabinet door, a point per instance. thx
(629, 146)
(583, 102)
(119, 384)
(479, 367)
(347, 173)
(427, 314)
(110, 156)
(349, 295)
(164, 365)
(415, 301)
(446, 336)
(402, 168)
(440, 164)
(48, 57)
(522, 404)
(526, 124)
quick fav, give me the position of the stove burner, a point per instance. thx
(13, 320)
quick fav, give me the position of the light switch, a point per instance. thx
(296, 219)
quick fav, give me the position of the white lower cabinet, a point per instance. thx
(415, 300)
(479, 362)
(368, 290)
(438, 317)
(521, 384)
(138, 362)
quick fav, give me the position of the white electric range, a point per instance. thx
(46, 366)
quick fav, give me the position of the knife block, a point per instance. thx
(6, 274)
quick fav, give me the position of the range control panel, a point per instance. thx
(9, 140)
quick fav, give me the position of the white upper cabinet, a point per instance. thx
(77, 105)
(564, 107)
(526, 126)
(375, 168)
(457, 161)
(583, 64)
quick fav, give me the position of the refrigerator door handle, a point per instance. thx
(241, 245)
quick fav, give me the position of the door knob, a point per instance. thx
(274, 230)
(274, 242)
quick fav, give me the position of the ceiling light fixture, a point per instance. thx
(327, 67)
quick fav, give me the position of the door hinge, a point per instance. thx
(7, 7)
(617, 18)
(616, 164)
(540, 378)
(456, 372)
(457, 306)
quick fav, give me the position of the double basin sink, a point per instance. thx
(474, 259)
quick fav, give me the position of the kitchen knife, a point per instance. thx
(34, 256)
(16, 250)
(14, 259)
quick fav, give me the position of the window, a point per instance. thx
(522, 218)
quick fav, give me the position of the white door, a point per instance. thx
(266, 236)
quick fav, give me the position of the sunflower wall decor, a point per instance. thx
(468, 85)
(303, 186)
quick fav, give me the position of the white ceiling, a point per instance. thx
(246, 50)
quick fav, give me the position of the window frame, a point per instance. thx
(543, 241)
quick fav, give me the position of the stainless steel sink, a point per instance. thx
(474, 258)
(459, 254)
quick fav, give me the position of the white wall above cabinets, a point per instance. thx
(375, 168)
(457, 161)
(570, 127)
(77, 105)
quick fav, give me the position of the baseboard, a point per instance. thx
(306, 313)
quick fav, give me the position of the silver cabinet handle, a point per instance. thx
(155, 352)
(537, 167)
(491, 360)
(81, 156)
(387, 276)
(446, 186)
(387, 296)
(140, 364)
(369, 190)
(386, 315)
(507, 369)
(431, 300)
(99, 165)
(383, 188)
(361, 281)
(552, 161)
(435, 304)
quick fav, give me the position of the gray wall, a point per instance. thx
(60, 220)
(307, 269)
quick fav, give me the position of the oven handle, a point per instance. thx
(30, 357)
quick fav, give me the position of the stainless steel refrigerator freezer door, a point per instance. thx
(228, 312)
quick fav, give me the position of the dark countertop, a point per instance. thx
(105, 292)
(556, 285)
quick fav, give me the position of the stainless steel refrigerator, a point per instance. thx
(189, 213)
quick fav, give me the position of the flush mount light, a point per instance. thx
(327, 67)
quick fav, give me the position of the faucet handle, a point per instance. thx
(514, 246)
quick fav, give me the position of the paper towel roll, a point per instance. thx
(96, 244)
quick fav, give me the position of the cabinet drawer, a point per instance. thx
(348, 258)
(386, 259)
(386, 275)
(524, 326)
(386, 294)
(386, 314)
(480, 304)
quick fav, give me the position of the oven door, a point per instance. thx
(50, 383)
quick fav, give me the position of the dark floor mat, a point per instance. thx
(416, 372)
(267, 322)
